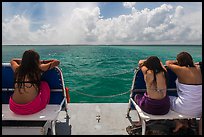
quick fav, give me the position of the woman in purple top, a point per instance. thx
(155, 100)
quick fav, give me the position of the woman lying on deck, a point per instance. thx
(30, 94)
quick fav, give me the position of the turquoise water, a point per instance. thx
(95, 73)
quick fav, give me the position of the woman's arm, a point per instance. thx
(141, 62)
(163, 66)
(143, 68)
(198, 63)
(48, 64)
(170, 62)
(46, 61)
(173, 65)
(15, 62)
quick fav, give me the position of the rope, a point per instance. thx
(109, 96)
(109, 75)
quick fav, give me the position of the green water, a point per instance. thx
(95, 73)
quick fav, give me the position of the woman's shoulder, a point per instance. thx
(194, 70)
(180, 70)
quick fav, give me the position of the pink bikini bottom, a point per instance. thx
(34, 106)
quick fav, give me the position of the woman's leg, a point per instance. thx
(180, 124)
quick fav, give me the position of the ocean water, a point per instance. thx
(100, 74)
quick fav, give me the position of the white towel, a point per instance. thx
(189, 100)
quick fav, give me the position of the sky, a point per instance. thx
(101, 23)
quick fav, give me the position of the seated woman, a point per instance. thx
(30, 94)
(155, 100)
(189, 87)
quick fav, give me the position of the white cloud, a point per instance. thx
(162, 25)
(179, 11)
(129, 4)
(16, 29)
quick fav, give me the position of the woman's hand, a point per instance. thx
(141, 62)
(169, 62)
(198, 63)
(55, 63)
(17, 60)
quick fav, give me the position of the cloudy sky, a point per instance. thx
(101, 23)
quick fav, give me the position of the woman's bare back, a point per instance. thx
(26, 94)
(190, 75)
(156, 90)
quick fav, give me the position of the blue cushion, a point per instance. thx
(52, 76)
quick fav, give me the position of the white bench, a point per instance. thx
(144, 117)
(49, 115)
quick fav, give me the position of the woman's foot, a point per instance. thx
(179, 125)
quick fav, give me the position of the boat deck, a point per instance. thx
(96, 119)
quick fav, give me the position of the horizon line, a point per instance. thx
(101, 44)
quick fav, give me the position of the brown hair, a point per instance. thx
(185, 59)
(29, 67)
(153, 63)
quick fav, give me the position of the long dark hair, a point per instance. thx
(185, 59)
(29, 67)
(153, 63)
